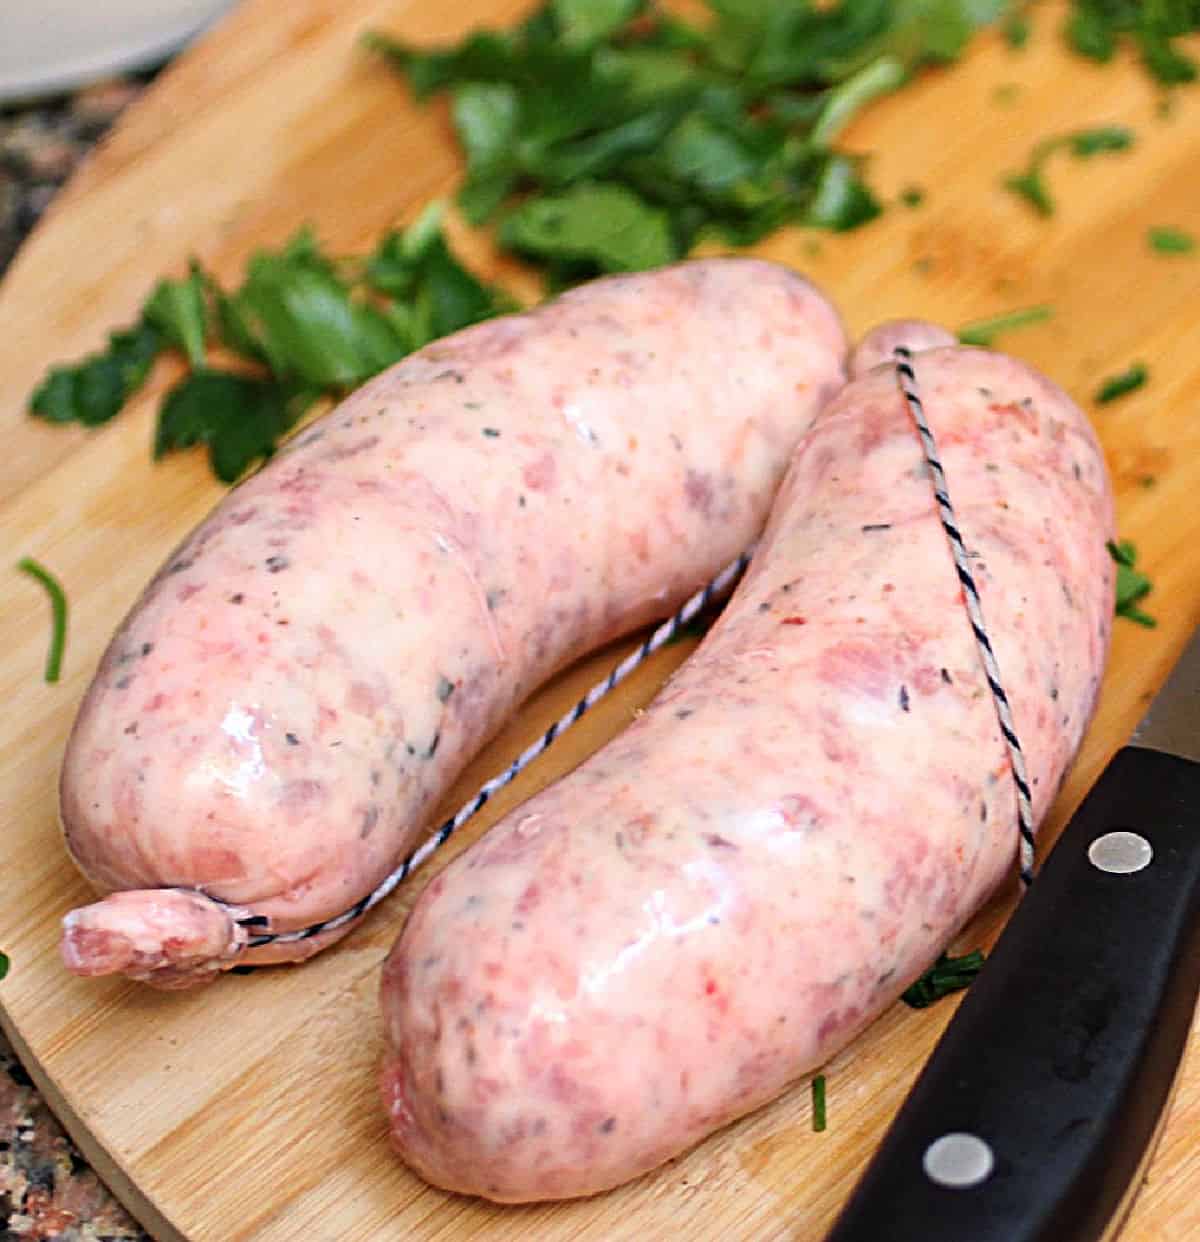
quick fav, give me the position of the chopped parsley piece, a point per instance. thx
(912, 196)
(818, 1104)
(983, 332)
(4, 965)
(1118, 385)
(1132, 585)
(948, 974)
(1171, 241)
(58, 612)
(1031, 184)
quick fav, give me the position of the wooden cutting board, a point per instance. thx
(248, 1110)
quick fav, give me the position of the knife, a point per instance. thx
(1032, 1118)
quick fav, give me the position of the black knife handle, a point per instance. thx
(1062, 1054)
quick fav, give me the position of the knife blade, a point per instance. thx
(1033, 1115)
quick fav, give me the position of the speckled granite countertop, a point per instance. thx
(42, 144)
(46, 1188)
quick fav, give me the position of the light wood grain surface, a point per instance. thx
(248, 1110)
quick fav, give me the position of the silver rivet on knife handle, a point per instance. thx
(1120, 853)
(958, 1161)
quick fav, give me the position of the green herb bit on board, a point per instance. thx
(1127, 381)
(1084, 143)
(4, 965)
(1132, 585)
(818, 1104)
(58, 612)
(948, 974)
(1171, 241)
(983, 332)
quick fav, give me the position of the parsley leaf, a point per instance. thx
(1118, 385)
(582, 23)
(241, 418)
(94, 390)
(435, 295)
(480, 57)
(178, 308)
(948, 974)
(592, 227)
(487, 118)
(310, 328)
(1132, 585)
(1171, 241)
(1030, 184)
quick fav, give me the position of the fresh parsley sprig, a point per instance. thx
(301, 326)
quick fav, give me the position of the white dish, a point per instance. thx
(54, 45)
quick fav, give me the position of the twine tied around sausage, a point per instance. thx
(907, 379)
(715, 589)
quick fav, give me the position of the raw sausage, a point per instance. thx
(731, 889)
(273, 724)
